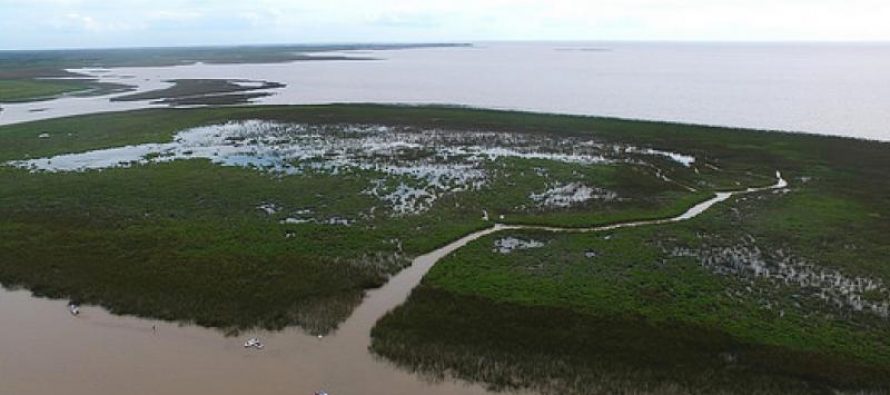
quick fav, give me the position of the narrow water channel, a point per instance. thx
(44, 350)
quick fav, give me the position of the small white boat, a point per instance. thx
(74, 309)
(253, 343)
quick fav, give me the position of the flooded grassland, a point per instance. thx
(293, 219)
(278, 217)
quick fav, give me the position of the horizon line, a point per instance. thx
(447, 43)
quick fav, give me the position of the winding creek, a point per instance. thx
(45, 350)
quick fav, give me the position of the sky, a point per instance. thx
(46, 24)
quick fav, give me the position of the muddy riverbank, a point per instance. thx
(46, 350)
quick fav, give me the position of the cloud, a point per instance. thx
(74, 21)
(408, 20)
(65, 23)
(168, 15)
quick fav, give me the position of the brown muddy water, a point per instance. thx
(45, 350)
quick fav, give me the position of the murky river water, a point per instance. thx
(840, 89)
(44, 350)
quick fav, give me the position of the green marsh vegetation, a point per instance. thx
(206, 92)
(16, 90)
(776, 292)
(23, 90)
(187, 239)
(614, 313)
(672, 307)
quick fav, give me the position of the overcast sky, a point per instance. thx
(27, 24)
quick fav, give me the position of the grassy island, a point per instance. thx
(272, 216)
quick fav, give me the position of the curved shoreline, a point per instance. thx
(316, 83)
(143, 356)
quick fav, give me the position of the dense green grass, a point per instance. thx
(509, 346)
(29, 90)
(635, 318)
(158, 228)
(136, 240)
(26, 90)
(184, 241)
(630, 318)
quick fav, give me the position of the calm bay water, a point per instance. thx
(839, 89)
